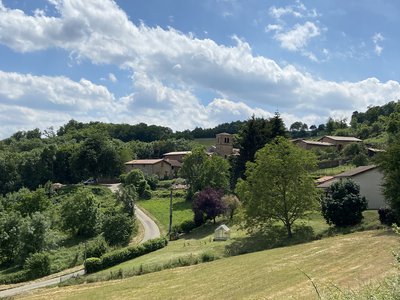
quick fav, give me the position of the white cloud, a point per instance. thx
(298, 10)
(298, 37)
(112, 78)
(166, 79)
(376, 39)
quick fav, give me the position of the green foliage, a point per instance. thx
(127, 195)
(96, 247)
(117, 228)
(10, 230)
(254, 134)
(387, 216)
(118, 256)
(278, 185)
(34, 235)
(38, 265)
(343, 206)
(232, 203)
(28, 202)
(136, 178)
(80, 214)
(201, 171)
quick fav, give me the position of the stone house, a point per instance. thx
(308, 145)
(339, 141)
(163, 168)
(224, 145)
(178, 155)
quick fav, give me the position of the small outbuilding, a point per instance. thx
(222, 233)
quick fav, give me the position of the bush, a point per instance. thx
(93, 264)
(152, 180)
(96, 247)
(38, 265)
(117, 228)
(187, 226)
(207, 256)
(118, 256)
(387, 216)
(343, 206)
(16, 277)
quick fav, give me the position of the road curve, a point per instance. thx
(151, 231)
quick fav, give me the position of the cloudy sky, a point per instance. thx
(188, 63)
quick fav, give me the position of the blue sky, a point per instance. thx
(187, 63)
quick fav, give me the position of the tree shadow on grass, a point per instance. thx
(179, 206)
(272, 237)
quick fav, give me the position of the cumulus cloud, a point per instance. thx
(112, 77)
(168, 68)
(298, 37)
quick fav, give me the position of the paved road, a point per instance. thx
(151, 231)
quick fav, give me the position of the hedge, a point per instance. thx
(94, 264)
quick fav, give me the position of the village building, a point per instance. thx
(339, 141)
(163, 168)
(224, 145)
(308, 145)
(369, 178)
(178, 155)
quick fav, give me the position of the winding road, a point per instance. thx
(151, 231)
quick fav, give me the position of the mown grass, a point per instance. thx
(158, 207)
(200, 241)
(344, 262)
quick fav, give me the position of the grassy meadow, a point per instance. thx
(340, 262)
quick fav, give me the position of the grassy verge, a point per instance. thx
(158, 207)
(345, 261)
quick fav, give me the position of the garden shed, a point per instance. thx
(222, 233)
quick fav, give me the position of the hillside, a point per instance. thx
(348, 261)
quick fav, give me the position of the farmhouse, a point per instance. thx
(369, 178)
(179, 155)
(339, 141)
(308, 145)
(163, 168)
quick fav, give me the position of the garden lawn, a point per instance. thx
(346, 261)
(158, 208)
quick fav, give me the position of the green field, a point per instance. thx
(206, 142)
(341, 262)
(158, 207)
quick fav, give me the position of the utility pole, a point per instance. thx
(170, 214)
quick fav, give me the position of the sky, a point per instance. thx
(189, 63)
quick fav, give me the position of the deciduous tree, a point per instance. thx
(278, 185)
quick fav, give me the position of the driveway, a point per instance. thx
(151, 231)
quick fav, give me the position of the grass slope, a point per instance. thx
(347, 261)
(158, 207)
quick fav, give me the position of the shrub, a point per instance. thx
(118, 256)
(387, 216)
(96, 247)
(16, 277)
(343, 206)
(117, 228)
(187, 226)
(38, 265)
(93, 264)
(207, 256)
(152, 180)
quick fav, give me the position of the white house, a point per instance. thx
(369, 178)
